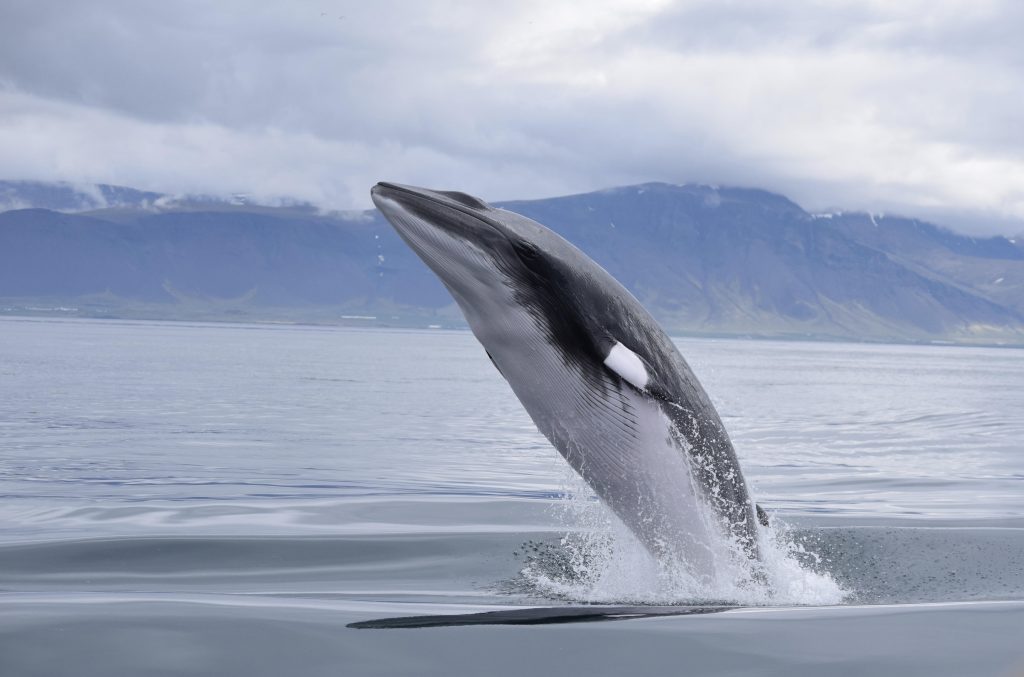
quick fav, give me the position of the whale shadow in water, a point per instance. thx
(537, 616)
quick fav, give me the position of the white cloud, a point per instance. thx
(55, 140)
(903, 107)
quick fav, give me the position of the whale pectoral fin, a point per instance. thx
(762, 516)
(629, 366)
(634, 370)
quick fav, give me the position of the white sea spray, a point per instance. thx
(601, 562)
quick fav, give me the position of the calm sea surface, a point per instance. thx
(225, 499)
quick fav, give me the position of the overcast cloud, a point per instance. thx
(913, 107)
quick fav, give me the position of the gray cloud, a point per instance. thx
(911, 107)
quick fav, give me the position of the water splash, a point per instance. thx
(599, 561)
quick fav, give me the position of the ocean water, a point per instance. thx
(196, 499)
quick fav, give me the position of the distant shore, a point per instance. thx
(329, 317)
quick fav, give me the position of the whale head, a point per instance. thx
(489, 259)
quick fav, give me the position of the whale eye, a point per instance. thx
(526, 251)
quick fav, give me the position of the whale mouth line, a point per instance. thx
(537, 616)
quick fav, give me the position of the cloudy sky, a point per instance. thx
(902, 106)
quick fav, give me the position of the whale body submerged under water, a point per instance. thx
(596, 373)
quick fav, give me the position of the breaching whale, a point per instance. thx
(596, 373)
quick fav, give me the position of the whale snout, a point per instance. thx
(405, 193)
(384, 187)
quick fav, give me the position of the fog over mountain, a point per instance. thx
(703, 259)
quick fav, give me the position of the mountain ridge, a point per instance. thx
(704, 259)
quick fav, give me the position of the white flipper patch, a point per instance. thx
(628, 365)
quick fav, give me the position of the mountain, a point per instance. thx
(738, 260)
(209, 262)
(703, 259)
